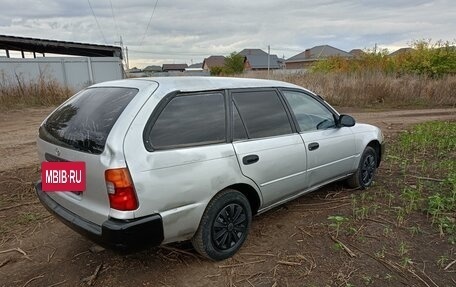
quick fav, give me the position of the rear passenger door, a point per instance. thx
(269, 150)
(185, 159)
(330, 149)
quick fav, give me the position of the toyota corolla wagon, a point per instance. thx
(194, 158)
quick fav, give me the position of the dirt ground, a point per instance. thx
(288, 246)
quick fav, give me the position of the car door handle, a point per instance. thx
(313, 146)
(249, 159)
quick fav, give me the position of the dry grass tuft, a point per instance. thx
(17, 92)
(376, 90)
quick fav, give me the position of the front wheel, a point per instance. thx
(224, 225)
(364, 175)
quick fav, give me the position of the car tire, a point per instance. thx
(364, 175)
(224, 225)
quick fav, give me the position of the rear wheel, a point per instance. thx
(224, 225)
(364, 175)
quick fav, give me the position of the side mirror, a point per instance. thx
(346, 121)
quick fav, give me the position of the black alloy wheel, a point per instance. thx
(368, 168)
(230, 227)
(224, 226)
(364, 175)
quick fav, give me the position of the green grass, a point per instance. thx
(29, 217)
(429, 139)
(413, 199)
(427, 154)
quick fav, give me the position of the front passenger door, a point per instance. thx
(330, 149)
(269, 151)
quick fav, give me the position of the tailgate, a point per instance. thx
(93, 203)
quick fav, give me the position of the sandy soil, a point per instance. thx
(288, 246)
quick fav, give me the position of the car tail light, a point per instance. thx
(121, 192)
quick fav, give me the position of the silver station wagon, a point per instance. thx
(194, 158)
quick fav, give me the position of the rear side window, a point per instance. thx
(190, 120)
(263, 113)
(84, 122)
(239, 132)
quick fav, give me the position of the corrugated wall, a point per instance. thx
(74, 72)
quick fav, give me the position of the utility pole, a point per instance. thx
(128, 61)
(124, 56)
(269, 59)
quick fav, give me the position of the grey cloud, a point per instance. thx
(182, 30)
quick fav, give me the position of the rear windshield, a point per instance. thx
(84, 122)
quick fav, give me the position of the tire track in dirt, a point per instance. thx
(63, 256)
(18, 130)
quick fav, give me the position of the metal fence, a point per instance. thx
(73, 72)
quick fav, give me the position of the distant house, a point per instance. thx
(401, 51)
(152, 69)
(305, 59)
(357, 53)
(281, 62)
(134, 70)
(174, 67)
(135, 73)
(196, 66)
(213, 61)
(257, 60)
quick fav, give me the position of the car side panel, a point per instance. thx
(178, 183)
(281, 169)
(364, 134)
(333, 158)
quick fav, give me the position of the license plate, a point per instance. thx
(63, 176)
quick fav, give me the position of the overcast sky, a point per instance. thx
(188, 31)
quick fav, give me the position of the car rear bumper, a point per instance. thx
(124, 235)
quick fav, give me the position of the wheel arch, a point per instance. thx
(250, 193)
(375, 144)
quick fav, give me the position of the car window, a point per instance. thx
(84, 122)
(239, 132)
(263, 113)
(310, 114)
(190, 120)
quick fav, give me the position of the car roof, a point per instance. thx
(191, 84)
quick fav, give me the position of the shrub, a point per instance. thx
(234, 64)
(216, 71)
(425, 58)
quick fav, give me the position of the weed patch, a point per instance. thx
(375, 90)
(43, 91)
(410, 207)
(426, 156)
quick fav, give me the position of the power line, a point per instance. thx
(289, 49)
(148, 24)
(170, 53)
(96, 20)
(114, 18)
